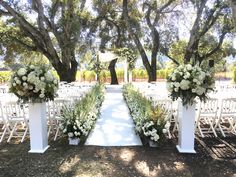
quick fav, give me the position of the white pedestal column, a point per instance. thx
(186, 136)
(125, 71)
(130, 76)
(38, 128)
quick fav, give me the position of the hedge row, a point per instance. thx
(137, 75)
(234, 75)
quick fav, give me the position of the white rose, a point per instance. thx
(14, 84)
(18, 82)
(184, 84)
(200, 90)
(42, 78)
(169, 87)
(21, 72)
(41, 95)
(189, 67)
(176, 89)
(48, 76)
(70, 134)
(187, 75)
(177, 84)
(24, 78)
(31, 87)
(164, 131)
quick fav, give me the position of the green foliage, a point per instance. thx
(150, 121)
(80, 119)
(177, 50)
(129, 55)
(5, 76)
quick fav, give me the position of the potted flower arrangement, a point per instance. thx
(80, 119)
(188, 82)
(35, 85)
(150, 121)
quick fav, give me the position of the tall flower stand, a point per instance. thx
(38, 128)
(186, 117)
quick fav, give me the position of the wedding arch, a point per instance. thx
(125, 55)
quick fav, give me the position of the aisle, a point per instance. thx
(115, 126)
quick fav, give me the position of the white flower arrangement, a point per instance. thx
(80, 119)
(34, 84)
(150, 122)
(188, 82)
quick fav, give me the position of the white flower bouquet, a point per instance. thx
(188, 82)
(34, 84)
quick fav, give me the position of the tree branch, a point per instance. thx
(221, 39)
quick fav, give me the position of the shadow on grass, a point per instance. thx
(64, 161)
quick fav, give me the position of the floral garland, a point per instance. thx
(150, 122)
(128, 54)
(34, 84)
(188, 82)
(80, 119)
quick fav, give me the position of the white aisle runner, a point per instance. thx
(115, 127)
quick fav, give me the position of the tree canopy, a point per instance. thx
(194, 31)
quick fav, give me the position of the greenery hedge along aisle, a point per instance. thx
(80, 119)
(150, 122)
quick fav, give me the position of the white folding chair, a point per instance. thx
(16, 117)
(54, 111)
(227, 117)
(207, 116)
(5, 129)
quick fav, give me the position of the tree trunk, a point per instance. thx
(233, 5)
(67, 74)
(114, 80)
(152, 76)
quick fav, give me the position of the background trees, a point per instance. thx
(53, 29)
(196, 31)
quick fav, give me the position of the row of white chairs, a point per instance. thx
(14, 119)
(213, 116)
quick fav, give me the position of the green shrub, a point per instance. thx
(79, 120)
(150, 121)
(89, 75)
(234, 75)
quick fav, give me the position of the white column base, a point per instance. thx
(38, 128)
(39, 150)
(182, 150)
(186, 131)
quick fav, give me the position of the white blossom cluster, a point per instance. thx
(188, 80)
(34, 83)
(79, 121)
(139, 111)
